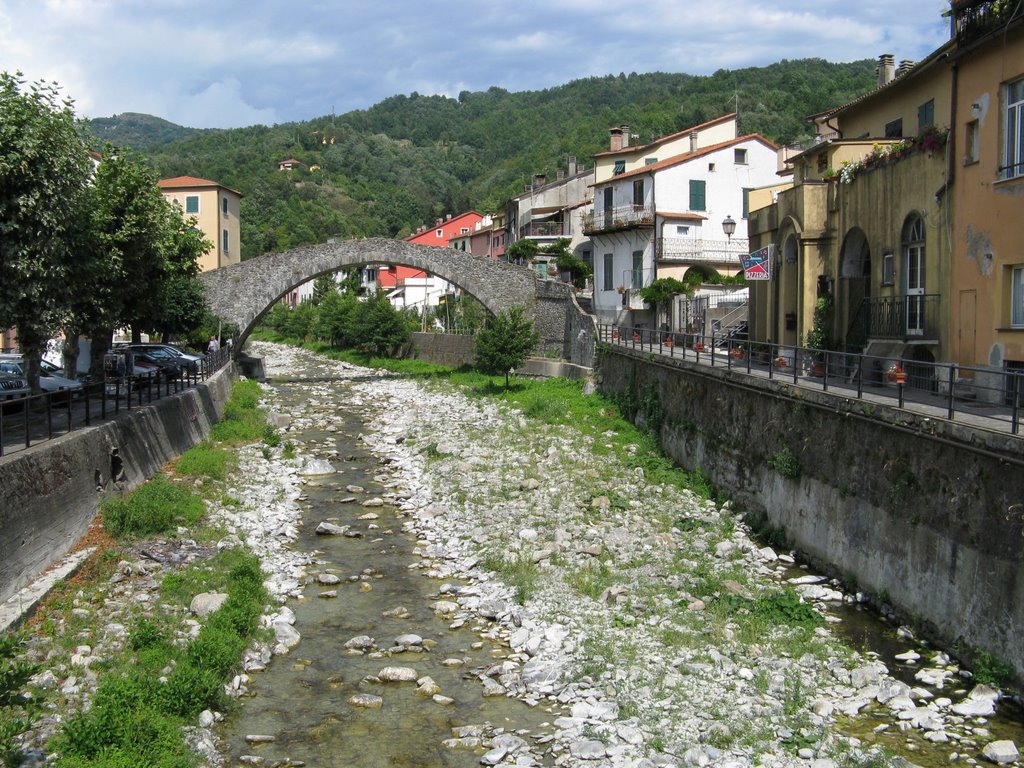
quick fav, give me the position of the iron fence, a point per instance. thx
(988, 398)
(27, 421)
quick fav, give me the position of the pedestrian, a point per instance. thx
(213, 346)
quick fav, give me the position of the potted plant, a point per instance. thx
(819, 338)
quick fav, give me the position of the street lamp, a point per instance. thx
(729, 227)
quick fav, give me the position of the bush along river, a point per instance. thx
(461, 584)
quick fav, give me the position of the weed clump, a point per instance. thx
(153, 508)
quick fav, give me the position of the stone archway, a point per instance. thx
(242, 293)
(854, 290)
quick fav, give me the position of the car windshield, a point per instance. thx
(9, 366)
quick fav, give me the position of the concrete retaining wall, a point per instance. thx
(50, 493)
(925, 515)
(451, 349)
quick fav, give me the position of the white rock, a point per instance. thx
(206, 603)
(1001, 752)
(398, 675)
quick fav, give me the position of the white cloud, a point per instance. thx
(218, 102)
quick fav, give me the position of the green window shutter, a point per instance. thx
(746, 202)
(697, 195)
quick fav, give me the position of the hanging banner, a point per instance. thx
(758, 265)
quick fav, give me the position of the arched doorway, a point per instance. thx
(854, 291)
(788, 280)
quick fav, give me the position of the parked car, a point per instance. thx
(185, 360)
(49, 381)
(168, 369)
(12, 387)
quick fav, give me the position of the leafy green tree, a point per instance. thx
(521, 251)
(569, 262)
(505, 343)
(380, 328)
(183, 306)
(336, 320)
(322, 286)
(44, 172)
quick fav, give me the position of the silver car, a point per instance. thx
(49, 381)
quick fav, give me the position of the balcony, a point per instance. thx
(904, 317)
(975, 18)
(689, 249)
(543, 228)
(617, 219)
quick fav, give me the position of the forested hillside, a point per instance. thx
(408, 159)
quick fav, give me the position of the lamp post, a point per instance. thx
(729, 227)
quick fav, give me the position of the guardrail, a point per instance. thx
(987, 398)
(27, 421)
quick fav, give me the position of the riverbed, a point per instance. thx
(622, 653)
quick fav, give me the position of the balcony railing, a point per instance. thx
(613, 219)
(904, 317)
(543, 229)
(703, 250)
(974, 18)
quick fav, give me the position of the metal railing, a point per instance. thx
(543, 229)
(987, 398)
(904, 317)
(27, 421)
(622, 217)
(705, 250)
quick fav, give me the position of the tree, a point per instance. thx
(44, 173)
(569, 262)
(380, 327)
(505, 343)
(322, 287)
(521, 251)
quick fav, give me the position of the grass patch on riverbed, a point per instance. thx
(155, 507)
(157, 686)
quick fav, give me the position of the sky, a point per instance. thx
(232, 63)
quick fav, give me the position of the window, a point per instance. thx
(682, 230)
(191, 203)
(1017, 297)
(638, 192)
(439, 232)
(463, 230)
(697, 196)
(711, 167)
(913, 275)
(926, 115)
(894, 130)
(606, 283)
(587, 257)
(746, 202)
(636, 279)
(740, 156)
(224, 206)
(620, 167)
(971, 154)
(224, 240)
(888, 268)
(650, 160)
(1013, 154)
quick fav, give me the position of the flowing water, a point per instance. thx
(302, 699)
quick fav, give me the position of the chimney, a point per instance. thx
(539, 180)
(625, 136)
(437, 222)
(616, 139)
(905, 66)
(559, 174)
(693, 141)
(572, 165)
(886, 69)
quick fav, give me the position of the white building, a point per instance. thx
(661, 216)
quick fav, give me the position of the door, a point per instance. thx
(968, 326)
(913, 271)
(608, 192)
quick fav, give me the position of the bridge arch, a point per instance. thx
(242, 293)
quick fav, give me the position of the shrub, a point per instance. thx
(153, 508)
(16, 710)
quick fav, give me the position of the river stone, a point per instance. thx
(396, 613)
(376, 501)
(588, 749)
(445, 607)
(328, 593)
(286, 634)
(256, 738)
(398, 675)
(443, 700)
(361, 642)
(355, 489)
(409, 639)
(206, 603)
(494, 757)
(980, 702)
(427, 687)
(1001, 752)
(492, 687)
(366, 701)
(315, 467)
(330, 529)
(328, 579)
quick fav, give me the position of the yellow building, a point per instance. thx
(865, 226)
(216, 210)
(988, 194)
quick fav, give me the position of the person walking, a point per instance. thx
(213, 346)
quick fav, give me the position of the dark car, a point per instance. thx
(166, 369)
(167, 353)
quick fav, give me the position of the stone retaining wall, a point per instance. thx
(50, 493)
(925, 515)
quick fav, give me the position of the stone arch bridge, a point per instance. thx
(243, 293)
